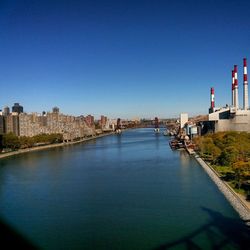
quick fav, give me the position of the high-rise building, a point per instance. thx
(17, 108)
(89, 119)
(12, 123)
(15, 119)
(6, 111)
(23, 124)
(103, 121)
(55, 110)
(30, 124)
(2, 125)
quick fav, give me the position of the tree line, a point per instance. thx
(13, 142)
(229, 154)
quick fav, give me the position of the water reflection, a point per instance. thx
(184, 158)
(157, 140)
(220, 232)
(119, 143)
(119, 192)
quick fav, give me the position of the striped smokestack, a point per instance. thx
(245, 85)
(233, 88)
(236, 96)
(212, 98)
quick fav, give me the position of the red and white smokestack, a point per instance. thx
(236, 95)
(245, 85)
(233, 88)
(212, 98)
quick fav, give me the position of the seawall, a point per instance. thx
(237, 203)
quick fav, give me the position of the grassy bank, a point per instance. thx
(228, 153)
(238, 202)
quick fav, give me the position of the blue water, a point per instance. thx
(128, 191)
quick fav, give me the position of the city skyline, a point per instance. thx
(121, 58)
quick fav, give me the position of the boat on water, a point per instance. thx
(118, 131)
(169, 132)
(176, 144)
(157, 130)
(118, 127)
(166, 132)
(172, 133)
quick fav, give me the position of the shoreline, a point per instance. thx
(237, 201)
(240, 205)
(62, 144)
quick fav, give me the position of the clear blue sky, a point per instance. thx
(121, 58)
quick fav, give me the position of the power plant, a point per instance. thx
(232, 118)
(245, 86)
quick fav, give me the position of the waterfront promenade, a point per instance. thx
(27, 150)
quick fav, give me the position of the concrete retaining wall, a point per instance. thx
(228, 192)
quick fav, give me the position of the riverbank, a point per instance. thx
(237, 201)
(26, 150)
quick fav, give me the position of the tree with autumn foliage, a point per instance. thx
(242, 172)
(13, 142)
(227, 151)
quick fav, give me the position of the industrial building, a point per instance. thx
(232, 118)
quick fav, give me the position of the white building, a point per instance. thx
(183, 119)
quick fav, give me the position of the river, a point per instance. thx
(128, 191)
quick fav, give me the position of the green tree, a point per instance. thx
(218, 139)
(55, 138)
(48, 138)
(26, 142)
(208, 149)
(229, 156)
(215, 153)
(242, 172)
(11, 141)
